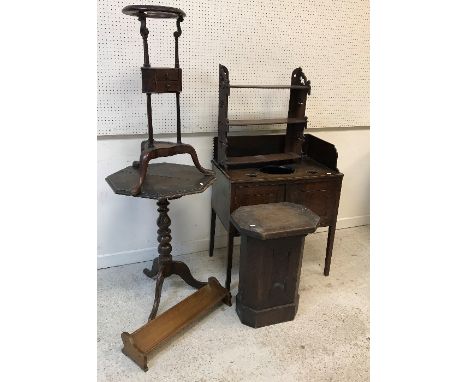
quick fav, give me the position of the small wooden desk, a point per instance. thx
(312, 184)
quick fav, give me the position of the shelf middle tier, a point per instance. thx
(262, 159)
(270, 121)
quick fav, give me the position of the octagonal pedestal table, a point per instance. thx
(164, 182)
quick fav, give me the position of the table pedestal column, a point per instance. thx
(163, 265)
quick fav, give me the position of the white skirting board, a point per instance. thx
(147, 254)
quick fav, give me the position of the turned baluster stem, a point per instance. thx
(164, 232)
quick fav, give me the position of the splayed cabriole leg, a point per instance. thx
(151, 273)
(143, 167)
(157, 294)
(190, 150)
(161, 150)
(182, 270)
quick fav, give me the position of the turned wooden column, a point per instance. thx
(163, 265)
(164, 238)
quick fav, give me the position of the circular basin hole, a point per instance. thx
(271, 169)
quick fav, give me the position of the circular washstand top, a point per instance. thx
(153, 11)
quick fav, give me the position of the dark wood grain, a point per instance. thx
(272, 240)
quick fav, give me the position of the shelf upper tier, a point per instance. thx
(270, 121)
(305, 87)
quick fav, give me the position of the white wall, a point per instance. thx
(127, 225)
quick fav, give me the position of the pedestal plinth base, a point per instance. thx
(256, 318)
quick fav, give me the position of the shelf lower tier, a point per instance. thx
(262, 159)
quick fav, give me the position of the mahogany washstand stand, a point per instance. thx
(164, 182)
(159, 80)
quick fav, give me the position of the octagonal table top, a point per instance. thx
(163, 181)
(274, 220)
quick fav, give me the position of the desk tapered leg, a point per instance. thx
(229, 257)
(330, 240)
(212, 231)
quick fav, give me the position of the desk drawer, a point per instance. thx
(161, 80)
(256, 194)
(320, 197)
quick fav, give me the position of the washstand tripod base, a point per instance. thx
(159, 150)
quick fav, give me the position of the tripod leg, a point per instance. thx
(154, 269)
(157, 294)
(181, 269)
(143, 146)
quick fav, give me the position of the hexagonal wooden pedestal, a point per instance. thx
(272, 242)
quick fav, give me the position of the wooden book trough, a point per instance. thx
(143, 341)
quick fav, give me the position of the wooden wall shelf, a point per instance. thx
(143, 341)
(296, 121)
